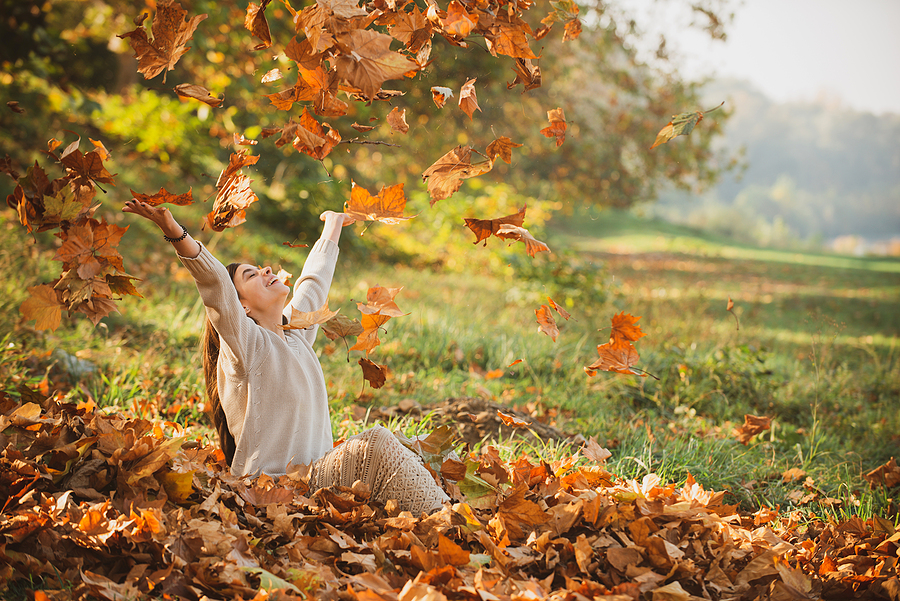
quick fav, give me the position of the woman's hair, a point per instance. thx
(209, 350)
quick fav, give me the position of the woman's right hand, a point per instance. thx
(159, 215)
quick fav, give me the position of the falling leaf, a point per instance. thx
(199, 93)
(271, 75)
(681, 124)
(446, 175)
(367, 60)
(485, 228)
(467, 99)
(362, 128)
(532, 245)
(386, 207)
(373, 373)
(440, 95)
(512, 420)
(459, 22)
(255, 22)
(624, 328)
(341, 326)
(617, 357)
(368, 339)
(164, 196)
(43, 306)
(562, 312)
(234, 194)
(753, 425)
(397, 120)
(502, 147)
(170, 34)
(14, 107)
(529, 75)
(381, 300)
(301, 320)
(546, 322)
(557, 127)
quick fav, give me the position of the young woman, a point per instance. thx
(264, 384)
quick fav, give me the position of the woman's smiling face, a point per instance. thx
(258, 288)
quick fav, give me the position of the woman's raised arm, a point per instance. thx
(172, 231)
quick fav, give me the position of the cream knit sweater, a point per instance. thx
(272, 390)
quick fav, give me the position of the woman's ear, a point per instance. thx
(246, 310)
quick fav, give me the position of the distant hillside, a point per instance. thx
(814, 172)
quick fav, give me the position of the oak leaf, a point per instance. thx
(752, 426)
(546, 322)
(374, 374)
(387, 206)
(170, 34)
(502, 147)
(440, 95)
(468, 102)
(163, 196)
(255, 22)
(200, 93)
(397, 120)
(485, 228)
(532, 244)
(446, 175)
(367, 61)
(557, 127)
(301, 320)
(381, 300)
(44, 306)
(681, 124)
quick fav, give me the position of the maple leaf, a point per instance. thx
(446, 175)
(374, 374)
(301, 320)
(509, 39)
(681, 124)
(440, 95)
(562, 312)
(458, 22)
(595, 452)
(618, 357)
(467, 100)
(397, 120)
(625, 328)
(312, 138)
(753, 425)
(527, 74)
(557, 127)
(887, 475)
(368, 339)
(86, 167)
(89, 247)
(387, 206)
(532, 245)
(44, 306)
(200, 93)
(485, 228)
(512, 420)
(164, 196)
(303, 53)
(234, 194)
(546, 322)
(341, 326)
(572, 29)
(313, 85)
(367, 60)
(502, 147)
(362, 128)
(381, 300)
(170, 34)
(255, 22)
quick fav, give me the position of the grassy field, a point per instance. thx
(817, 350)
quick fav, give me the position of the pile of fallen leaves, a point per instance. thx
(101, 505)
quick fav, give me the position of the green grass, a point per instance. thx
(817, 349)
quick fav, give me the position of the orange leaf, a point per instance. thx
(502, 147)
(527, 74)
(200, 93)
(374, 374)
(440, 95)
(446, 175)
(546, 322)
(170, 34)
(368, 339)
(887, 475)
(43, 306)
(397, 120)
(311, 137)
(467, 99)
(625, 328)
(485, 228)
(557, 127)
(386, 207)
(562, 312)
(753, 425)
(532, 244)
(451, 553)
(255, 22)
(234, 194)
(616, 357)
(458, 22)
(301, 320)
(509, 39)
(512, 420)
(163, 196)
(380, 300)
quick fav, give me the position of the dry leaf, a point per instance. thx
(397, 120)
(386, 207)
(301, 320)
(557, 127)
(753, 425)
(467, 99)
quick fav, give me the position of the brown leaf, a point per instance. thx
(367, 61)
(527, 74)
(753, 425)
(301, 320)
(618, 357)
(502, 147)
(164, 196)
(887, 475)
(14, 107)
(446, 175)
(198, 93)
(234, 194)
(557, 127)
(170, 34)
(440, 95)
(512, 420)
(468, 102)
(255, 22)
(374, 374)
(485, 228)
(44, 306)
(341, 326)
(562, 312)
(386, 207)
(362, 128)
(595, 452)
(546, 322)
(532, 244)
(397, 120)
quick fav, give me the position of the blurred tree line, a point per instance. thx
(65, 66)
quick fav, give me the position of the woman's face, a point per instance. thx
(259, 289)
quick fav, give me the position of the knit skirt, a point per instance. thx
(390, 470)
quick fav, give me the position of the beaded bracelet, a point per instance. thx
(179, 238)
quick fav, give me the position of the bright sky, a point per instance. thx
(797, 49)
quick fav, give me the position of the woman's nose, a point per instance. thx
(267, 270)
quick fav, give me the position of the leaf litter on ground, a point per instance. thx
(103, 505)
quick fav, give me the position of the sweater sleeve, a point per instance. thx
(311, 289)
(223, 307)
